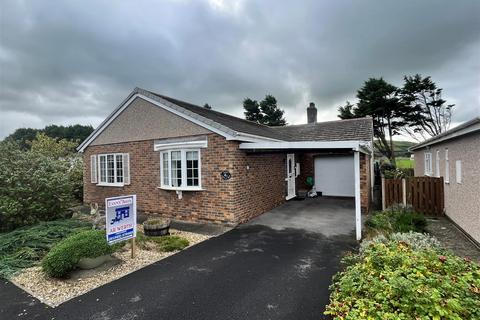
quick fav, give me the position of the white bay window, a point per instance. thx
(180, 169)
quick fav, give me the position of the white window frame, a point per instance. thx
(458, 171)
(428, 163)
(183, 186)
(106, 183)
(447, 167)
(437, 164)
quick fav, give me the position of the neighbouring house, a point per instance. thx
(455, 156)
(192, 163)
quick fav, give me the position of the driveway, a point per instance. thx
(260, 270)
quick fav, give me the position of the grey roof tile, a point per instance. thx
(340, 130)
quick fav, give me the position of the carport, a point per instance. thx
(335, 166)
(329, 216)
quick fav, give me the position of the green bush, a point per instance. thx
(396, 219)
(64, 257)
(170, 243)
(415, 240)
(25, 247)
(389, 279)
(34, 187)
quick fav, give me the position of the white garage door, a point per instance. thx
(334, 176)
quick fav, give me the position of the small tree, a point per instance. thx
(34, 187)
(380, 100)
(266, 112)
(428, 113)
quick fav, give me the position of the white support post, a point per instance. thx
(358, 205)
(404, 192)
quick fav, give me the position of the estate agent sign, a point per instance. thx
(121, 216)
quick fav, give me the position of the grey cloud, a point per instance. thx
(69, 62)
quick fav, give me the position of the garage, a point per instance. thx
(335, 176)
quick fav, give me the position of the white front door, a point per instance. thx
(290, 176)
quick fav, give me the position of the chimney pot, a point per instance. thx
(312, 113)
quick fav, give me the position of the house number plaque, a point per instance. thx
(226, 175)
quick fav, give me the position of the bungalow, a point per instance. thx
(188, 162)
(455, 156)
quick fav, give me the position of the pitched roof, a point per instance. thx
(460, 130)
(234, 123)
(243, 130)
(340, 130)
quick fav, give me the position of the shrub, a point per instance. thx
(170, 243)
(415, 240)
(34, 187)
(396, 219)
(25, 247)
(64, 257)
(156, 221)
(390, 279)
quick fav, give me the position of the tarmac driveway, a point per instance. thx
(251, 272)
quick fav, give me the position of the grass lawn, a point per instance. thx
(25, 247)
(405, 163)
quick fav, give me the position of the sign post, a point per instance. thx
(121, 219)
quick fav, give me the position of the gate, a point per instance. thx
(424, 194)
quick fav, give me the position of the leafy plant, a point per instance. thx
(171, 243)
(394, 279)
(156, 221)
(415, 240)
(64, 257)
(25, 247)
(34, 187)
(396, 219)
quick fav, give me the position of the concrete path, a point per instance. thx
(251, 272)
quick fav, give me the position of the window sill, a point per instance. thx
(181, 188)
(110, 184)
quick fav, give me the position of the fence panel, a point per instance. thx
(425, 194)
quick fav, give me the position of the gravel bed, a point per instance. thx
(54, 292)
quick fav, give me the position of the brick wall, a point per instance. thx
(365, 182)
(248, 193)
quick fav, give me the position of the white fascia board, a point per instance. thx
(180, 145)
(240, 136)
(106, 122)
(354, 145)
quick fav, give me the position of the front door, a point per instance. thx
(290, 176)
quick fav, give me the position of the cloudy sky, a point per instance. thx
(68, 62)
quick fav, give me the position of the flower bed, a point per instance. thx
(56, 291)
(405, 276)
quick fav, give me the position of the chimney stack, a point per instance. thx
(312, 113)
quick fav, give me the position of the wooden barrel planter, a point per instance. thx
(156, 227)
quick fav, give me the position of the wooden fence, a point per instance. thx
(424, 194)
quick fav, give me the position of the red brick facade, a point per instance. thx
(257, 182)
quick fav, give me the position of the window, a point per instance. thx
(447, 167)
(113, 169)
(437, 164)
(428, 163)
(458, 171)
(180, 169)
